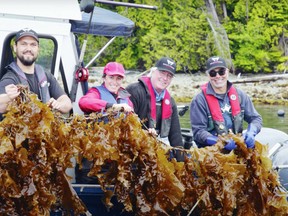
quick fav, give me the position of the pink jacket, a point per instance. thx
(92, 102)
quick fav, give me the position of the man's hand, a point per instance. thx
(249, 136)
(12, 91)
(62, 104)
(211, 140)
(54, 104)
(230, 145)
(152, 131)
(249, 139)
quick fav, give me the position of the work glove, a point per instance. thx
(230, 145)
(211, 140)
(249, 136)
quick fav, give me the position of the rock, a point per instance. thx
(185, 86)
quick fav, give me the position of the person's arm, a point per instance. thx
(175, 136)
(8, 90)
(199, 119)
(135, 90)
(91, 102)
(59, 100)
(11, 93)
(251, 116)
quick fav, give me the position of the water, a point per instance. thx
(268, 113)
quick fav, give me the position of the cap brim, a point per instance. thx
(115, 74)
(165, 69)
(28, 35)
(216, 66)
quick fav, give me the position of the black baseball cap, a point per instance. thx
(166, 64)
(26, 32)
(215, 62)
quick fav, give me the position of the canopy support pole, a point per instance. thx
(103, 48)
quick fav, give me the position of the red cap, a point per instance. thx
(114, 68)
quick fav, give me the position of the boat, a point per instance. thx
(58, 28)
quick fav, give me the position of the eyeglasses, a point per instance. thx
(166, 74)
(221, 72)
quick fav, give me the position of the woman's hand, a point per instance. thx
(122, 107)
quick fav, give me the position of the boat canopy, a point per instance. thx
(104, 23)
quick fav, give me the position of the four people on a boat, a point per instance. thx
(220, 108)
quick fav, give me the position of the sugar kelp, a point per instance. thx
(37, 145)
(33, 160)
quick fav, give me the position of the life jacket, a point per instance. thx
(41, 78)
(106, 95)
(166, 107)
(216, 114)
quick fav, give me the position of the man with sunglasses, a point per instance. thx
(153, 103)
(220, 108)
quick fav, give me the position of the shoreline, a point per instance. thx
(185, 86)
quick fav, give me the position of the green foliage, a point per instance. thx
(47, 47)
(179, 29)
(254, 41)
(170, 31)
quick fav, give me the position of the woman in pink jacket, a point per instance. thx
(98, 99)
(108, 95)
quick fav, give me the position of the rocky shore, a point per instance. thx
(185, 86)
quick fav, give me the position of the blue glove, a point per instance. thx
(230, 145)
(249, 136)
(211, 140)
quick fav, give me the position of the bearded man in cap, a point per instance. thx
(153, 103)
(24, 71)
(220, 108)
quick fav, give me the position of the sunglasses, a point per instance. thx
(221, 72)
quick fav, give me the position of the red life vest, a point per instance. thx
(216, 113)
(166, 108)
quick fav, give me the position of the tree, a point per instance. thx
(250, 33)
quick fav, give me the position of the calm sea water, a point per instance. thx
(268, 113)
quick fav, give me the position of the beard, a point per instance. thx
(26, 61)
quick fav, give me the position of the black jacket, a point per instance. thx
(140, 97)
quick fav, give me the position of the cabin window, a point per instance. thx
(46, 54)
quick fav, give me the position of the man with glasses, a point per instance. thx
(220, 108)
(153, 103)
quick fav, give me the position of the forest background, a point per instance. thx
(252, 35)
